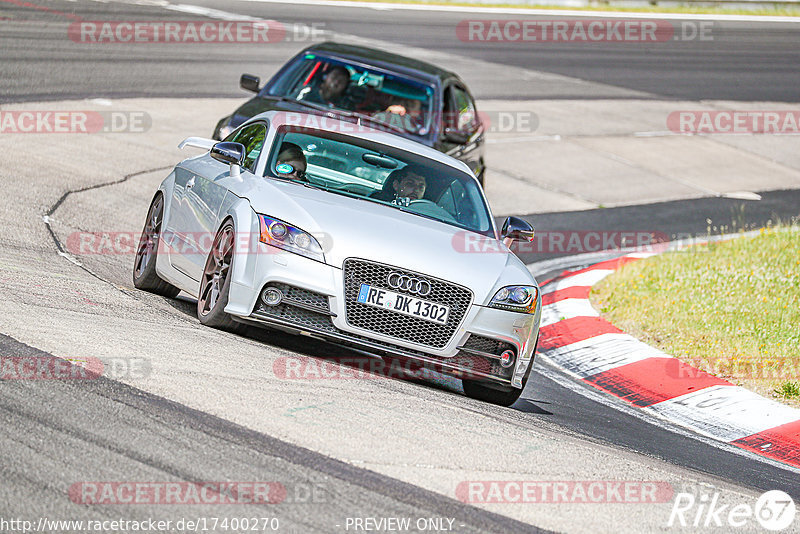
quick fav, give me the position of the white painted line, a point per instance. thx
(742, 195)
(601, 353)
(567, 309)
(725, 412)
(555, 13)
(587, 278)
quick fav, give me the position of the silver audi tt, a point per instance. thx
(335, 230)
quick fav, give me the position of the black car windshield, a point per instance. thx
(380, 173)
(396, 102)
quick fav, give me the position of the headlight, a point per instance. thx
(516, 298)
(282, 235)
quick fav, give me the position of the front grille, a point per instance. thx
(389, 323)
(297, 315)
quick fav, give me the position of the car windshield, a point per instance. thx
(392, 101)
(381, 174)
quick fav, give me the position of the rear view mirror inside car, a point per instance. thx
(379, 161)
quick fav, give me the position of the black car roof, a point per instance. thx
(381, 58)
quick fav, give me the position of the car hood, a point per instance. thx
(353, 228)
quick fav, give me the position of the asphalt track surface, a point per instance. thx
(116, 429)
(748, 61)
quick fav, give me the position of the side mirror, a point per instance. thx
(516, 229)
(230, 153)
(248, 82)
(459, 137)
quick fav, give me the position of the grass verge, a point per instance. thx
(730, 308)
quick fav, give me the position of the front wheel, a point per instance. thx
(475, 390)
(215, 285)
(144, 265)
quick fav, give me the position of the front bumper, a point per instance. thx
(314, 305)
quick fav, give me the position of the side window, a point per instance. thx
(252, 137)
(465, 108)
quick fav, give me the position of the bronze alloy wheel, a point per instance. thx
(144, 264)
(215, 282)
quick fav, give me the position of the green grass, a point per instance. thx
(788, 390)
(730, 308)
(787, 11)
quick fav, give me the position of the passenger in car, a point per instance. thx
(405, 113)
(402, 186)
(330, 92)
(293, 155)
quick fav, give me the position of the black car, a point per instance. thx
(387, 91)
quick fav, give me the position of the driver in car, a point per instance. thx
(331, 92)
(403, 186)
(412, 186)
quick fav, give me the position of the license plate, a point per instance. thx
(405, 304)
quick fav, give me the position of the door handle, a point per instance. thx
(190, 183)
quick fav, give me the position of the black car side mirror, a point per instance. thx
(516, 229)
(459, 137)
(248, 82)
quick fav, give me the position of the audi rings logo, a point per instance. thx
(418, 286)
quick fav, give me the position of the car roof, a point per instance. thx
(382, 58)
(358, 131)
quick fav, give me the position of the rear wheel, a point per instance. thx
(215, 284)
(144, 264)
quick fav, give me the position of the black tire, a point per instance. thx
(477, 390)
(506, 397)
(215, 283)
(144, 263)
